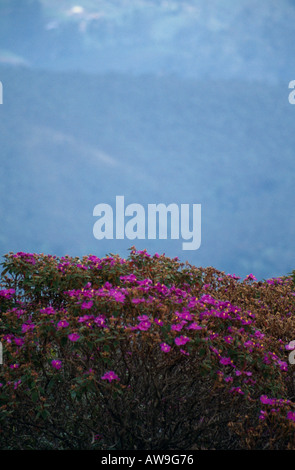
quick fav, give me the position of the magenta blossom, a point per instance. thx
(194, 326)
(178, 326)
(291, 415)
(250, 277)
(263, 415)
(27, 326)
(184, 315)
(283, 365)
(48, 310)
(184, 352)
(267, 401)
(143, 318)
(165, 347)
(228, 379)
(225, 361)
(62, 324)
(7, 293)
(137, 301)
(181, 340)
(100, 321)
(85, 318)
(237, 390)
(228, 339)
(16, 384)
(110, 376)
(144, 325)
(129, 278)
(86, 305)
(19, 341)
(73, 336)
(56, 363)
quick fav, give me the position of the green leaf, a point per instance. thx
(202, 352)
(34, 396)
(44, 414)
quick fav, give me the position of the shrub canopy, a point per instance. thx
(143, 353)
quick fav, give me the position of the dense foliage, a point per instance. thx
(143, 353)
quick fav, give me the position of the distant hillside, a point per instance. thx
(70, 141)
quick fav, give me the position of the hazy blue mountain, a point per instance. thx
(159, 101)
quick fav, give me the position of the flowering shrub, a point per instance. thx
(143, 353)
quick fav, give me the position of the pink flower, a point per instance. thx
(137, 301)
(144, 325)
(85, 318)
(7, 293)
(143, 318)
(225, 361)
(237, 390)
(99, 321)
(62, 324)
(14, 366)
(16, 384)
(184, 315)
(56, 364)
(165, 347)
(177, 327)
(110, 376)
(86, 305)
(129, 278)
(228, 339)
(7, 338)
(184, 352)
(283, 365)
(27, 326)
(228, 379)
(19, 341)
(267, 401)
(194, 326)
(263, 415)
(181, 340)
(48, 310)
(291, 415)
(73, 336)
(266, 359)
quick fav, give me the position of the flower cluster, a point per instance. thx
(97, 323)
(7, 293)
